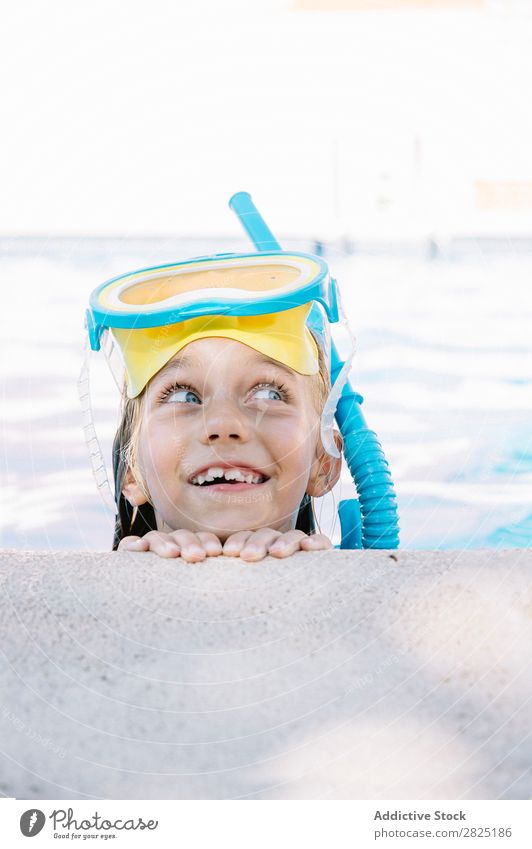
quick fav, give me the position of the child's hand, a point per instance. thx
(186, 544)
(255, 545)
(249, 545)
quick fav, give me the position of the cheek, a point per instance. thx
(162, 451)
(293, 441)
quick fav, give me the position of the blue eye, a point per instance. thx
(273, 391)
(175, 394)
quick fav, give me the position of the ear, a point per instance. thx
(132, 491)
(325, 469)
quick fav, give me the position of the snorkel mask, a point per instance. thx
(282, 304)
(262, 300)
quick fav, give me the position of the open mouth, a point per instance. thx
(216, 476)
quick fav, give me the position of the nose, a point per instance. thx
(224, 421)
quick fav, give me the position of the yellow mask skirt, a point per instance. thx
(282, 336)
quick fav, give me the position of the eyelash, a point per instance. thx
(173, 387)
(280, 387)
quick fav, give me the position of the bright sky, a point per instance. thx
(137, 118)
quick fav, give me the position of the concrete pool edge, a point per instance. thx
(340, 674)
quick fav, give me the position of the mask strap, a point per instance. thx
(329, 409)
(99, 469)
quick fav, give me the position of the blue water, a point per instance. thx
(444, 361)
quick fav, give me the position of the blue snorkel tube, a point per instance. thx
(372, 520)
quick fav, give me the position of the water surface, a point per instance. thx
(444, 361)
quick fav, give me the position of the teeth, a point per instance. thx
(228, 474)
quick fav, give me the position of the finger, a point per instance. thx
(316, 542)
(189, 544)
(161, 544)
(133, 543)
(234, 543)
(287, 544)
(257, 545)
(210, 542)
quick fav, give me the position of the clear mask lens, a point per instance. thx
(113, 357)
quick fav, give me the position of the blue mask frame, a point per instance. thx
(321, 288)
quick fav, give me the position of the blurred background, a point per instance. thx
(393, 136)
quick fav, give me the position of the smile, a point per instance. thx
(216, 475)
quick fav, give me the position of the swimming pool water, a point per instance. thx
(444, 362)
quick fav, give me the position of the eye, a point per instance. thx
(180, 393)
(274, 392)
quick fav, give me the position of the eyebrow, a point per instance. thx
(184, 361)
(181, 361)
(269, 362)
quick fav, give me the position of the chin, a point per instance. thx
(224, 520)
(225, 528)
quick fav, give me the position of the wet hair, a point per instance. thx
(128, 521)
(137, 521)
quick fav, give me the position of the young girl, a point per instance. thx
(228, 420)
(220, 453)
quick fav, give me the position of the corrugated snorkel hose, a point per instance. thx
(369, 470)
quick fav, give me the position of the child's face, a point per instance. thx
(220, 402)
